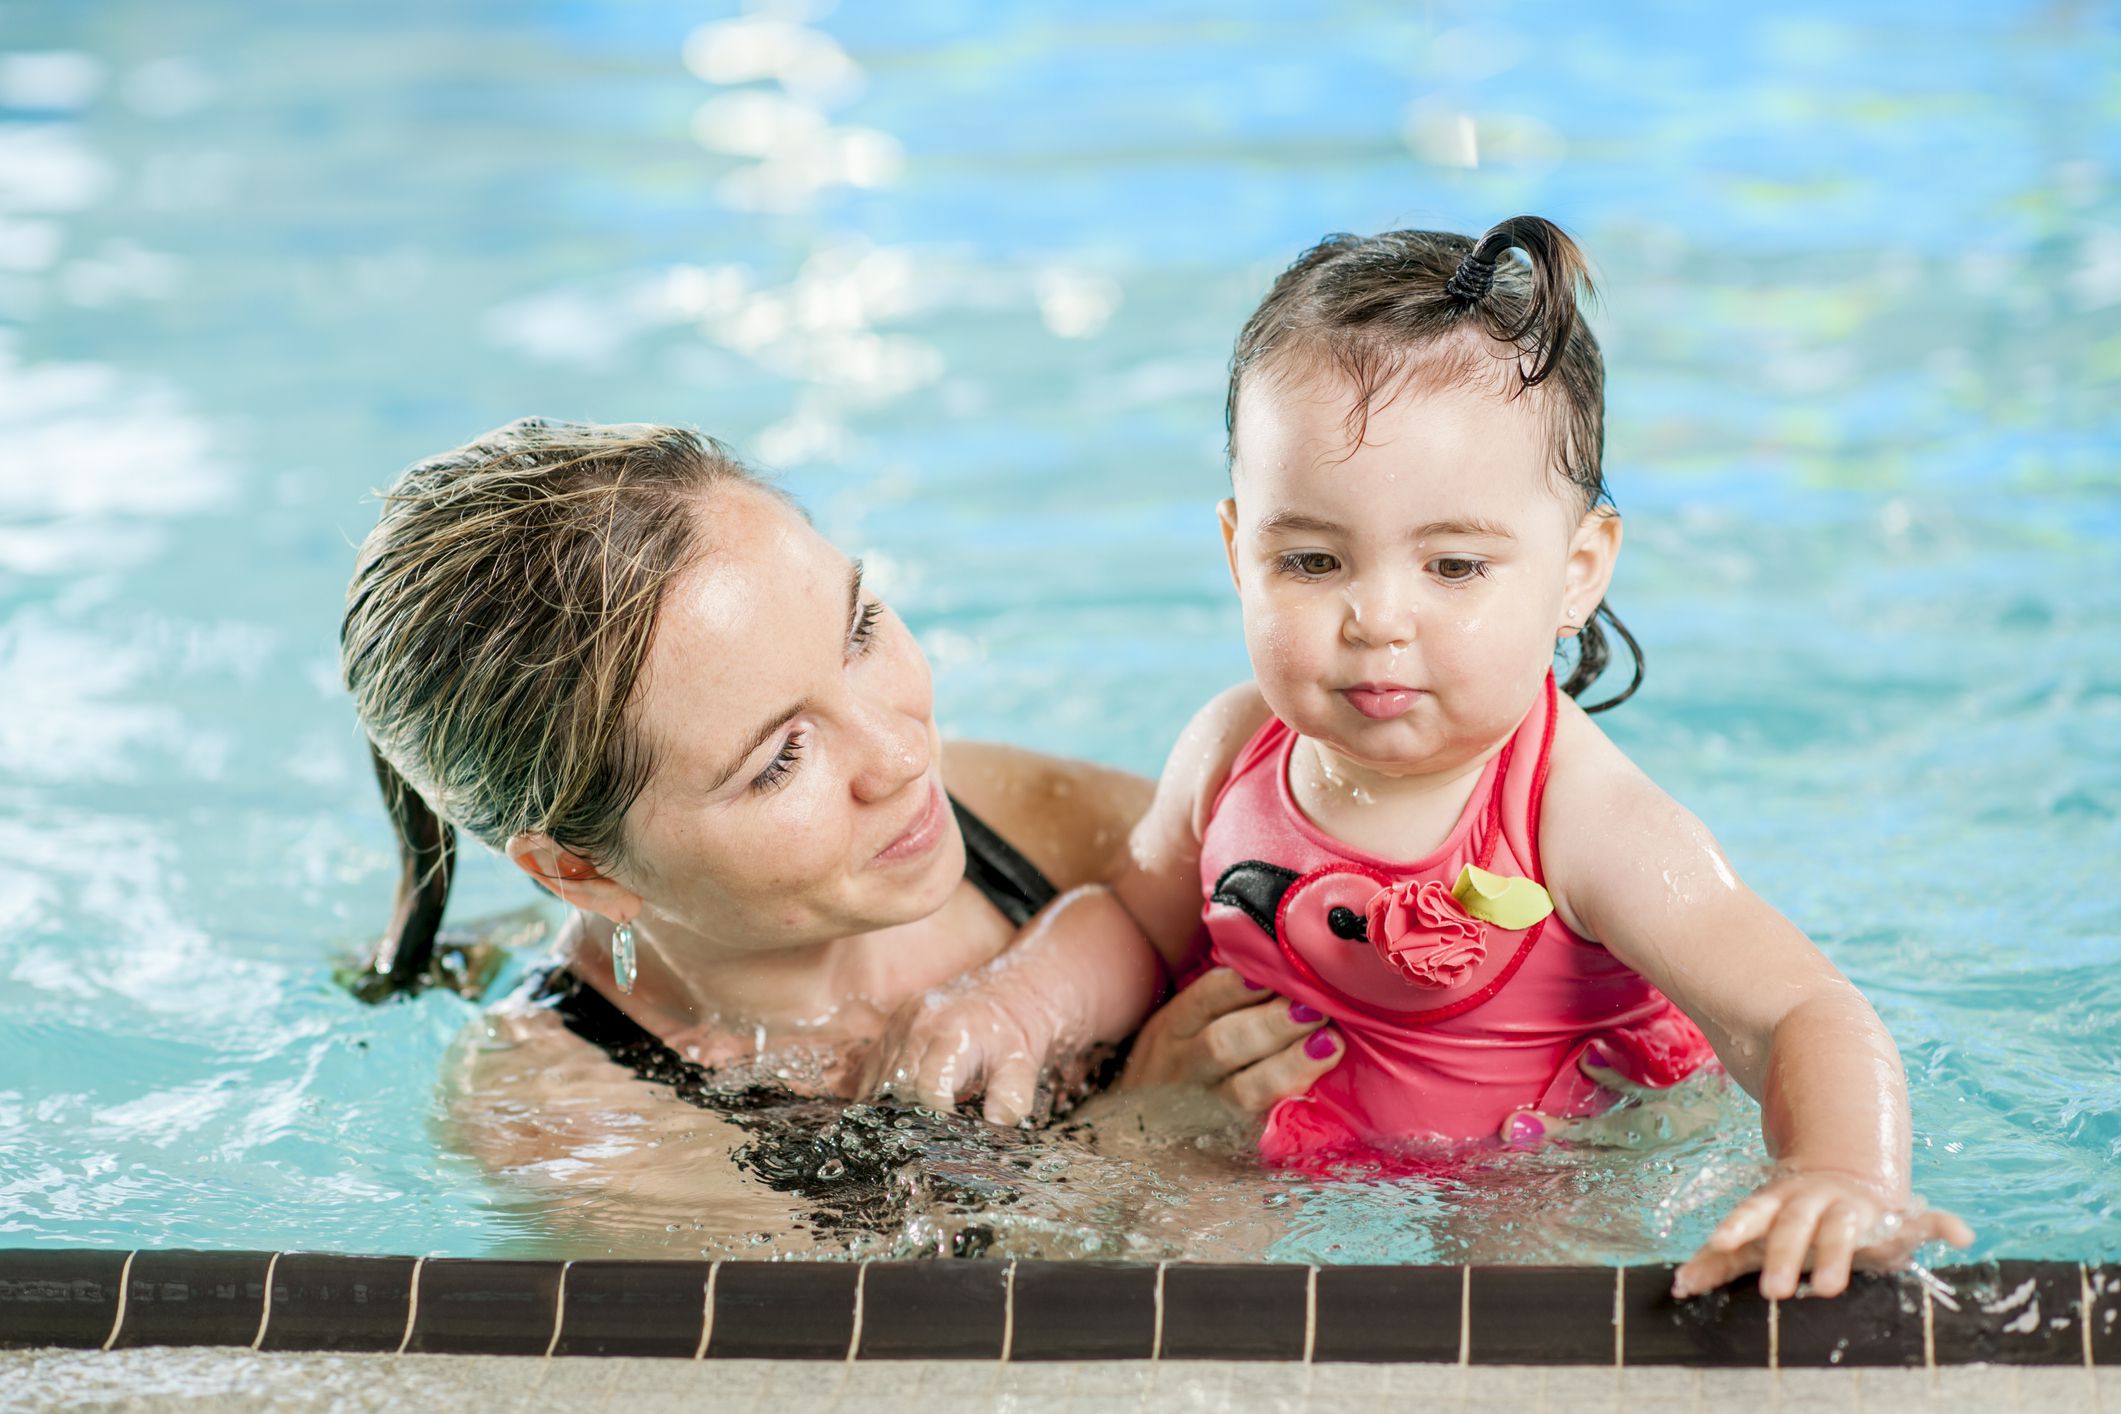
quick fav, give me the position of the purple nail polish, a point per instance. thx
(1595, 1055)
(1252, 986)
(1525, 1130)
(1320, 1044)
(1303, 1015)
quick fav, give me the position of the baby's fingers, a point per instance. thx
(1789, 1242)
(1834, 1250)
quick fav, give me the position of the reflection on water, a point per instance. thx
(969, 278)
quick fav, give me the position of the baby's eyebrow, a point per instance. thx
(1288, 521)
(1482, 529)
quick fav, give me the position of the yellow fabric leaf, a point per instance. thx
(1507, 903)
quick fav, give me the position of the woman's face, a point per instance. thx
(795, 793)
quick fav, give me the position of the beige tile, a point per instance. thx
(960, 1378)
(1965, 1389)
(2053, 1390)
(1114, 1379)
(1817, 1391)
(1737, 1389)
(1660, 1389)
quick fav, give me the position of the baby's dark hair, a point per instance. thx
(1380, 310)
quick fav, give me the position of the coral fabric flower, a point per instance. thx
(1423, 933)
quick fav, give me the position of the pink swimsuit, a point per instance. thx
(1497, 1020)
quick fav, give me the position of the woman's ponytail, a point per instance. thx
(427, 857)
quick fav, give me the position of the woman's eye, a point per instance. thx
(1310, 564)
(781, 766)
(864, 627)
(1459, 571)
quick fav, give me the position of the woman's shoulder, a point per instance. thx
(1066, 816)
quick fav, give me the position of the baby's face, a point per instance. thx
(1402, 597)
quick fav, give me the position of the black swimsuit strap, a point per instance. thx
(1012, 883)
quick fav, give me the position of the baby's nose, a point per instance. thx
(1377, 616)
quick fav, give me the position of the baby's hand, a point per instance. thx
(1824, 1223)
(951, 1044)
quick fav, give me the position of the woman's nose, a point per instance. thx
(895, 752)
(1379, 614)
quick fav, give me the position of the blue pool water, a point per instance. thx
(969, 274)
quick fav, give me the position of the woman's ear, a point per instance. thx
(1227, 514)
(571, 877)
(1592, 553)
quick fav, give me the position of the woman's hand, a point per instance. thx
(1250, 1048)
(1824, 1223)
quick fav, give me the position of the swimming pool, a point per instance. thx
(969, 275)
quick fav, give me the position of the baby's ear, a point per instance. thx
(1226, 513)
(1592, 552)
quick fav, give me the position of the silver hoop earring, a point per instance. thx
(623, 963)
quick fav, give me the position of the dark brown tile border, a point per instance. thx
(1878, 1321)
(1390, 1314)
(2005, 1312)
(1235, 1311)
(783, 1311)
(1084, 1311)
(934, 1310)
(326, 1301)
(471, 1306)
(2009, 1313)
(58, 1298)
(1726, 1329)
(1542, 1315)
(193, 1298)
(634, 1308)
(2103, 1319)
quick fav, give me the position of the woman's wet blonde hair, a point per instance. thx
(496, 627)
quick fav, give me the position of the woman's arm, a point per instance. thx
(1629, 868)
(1086, 969)
(620, 1162)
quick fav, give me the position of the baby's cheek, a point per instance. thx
(1284, 647)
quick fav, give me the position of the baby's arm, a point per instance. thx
(1629, 868)
(1088, 968)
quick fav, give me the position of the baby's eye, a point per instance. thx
(1309, 564)
(1458, 571)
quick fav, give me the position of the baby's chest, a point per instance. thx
(1359, 943)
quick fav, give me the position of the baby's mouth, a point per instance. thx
(1381, 701)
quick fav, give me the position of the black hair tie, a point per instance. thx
(1472, 280)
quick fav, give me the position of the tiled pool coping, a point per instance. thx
(2009, 1312)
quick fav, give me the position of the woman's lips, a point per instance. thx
(920, 836)
(1380, 701)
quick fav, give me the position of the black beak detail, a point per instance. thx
(1256, 888)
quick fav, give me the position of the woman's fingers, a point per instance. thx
(1288, 1072)
(1214, 993)
(1012, 1083)
(1243, 1038)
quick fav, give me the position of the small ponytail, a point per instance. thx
(427, 856)
(1593, 654)
(1558, 267)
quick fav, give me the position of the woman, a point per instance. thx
(618, 657)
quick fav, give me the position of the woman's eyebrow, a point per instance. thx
(776, 722)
